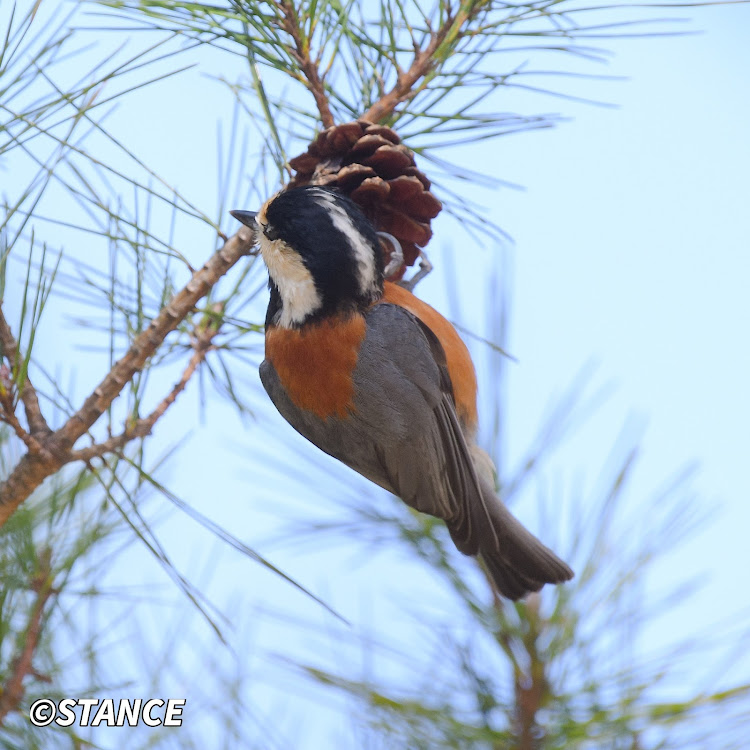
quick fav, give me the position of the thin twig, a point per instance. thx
(12, 693)
(424, 62)
(530, 682)
(142, 427)
(37, 423)
(34, 468)
(301, 54)
(8, 414)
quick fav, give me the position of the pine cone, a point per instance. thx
(369, 163)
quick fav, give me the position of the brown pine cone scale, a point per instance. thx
(369, 163)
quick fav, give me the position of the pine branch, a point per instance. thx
(8, 414)
(13, 691)
(530, 688)
(34, 468)
(141, 428)
(426, 60)
(37, 423)
(301, 54)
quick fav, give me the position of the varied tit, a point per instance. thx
(381, 381)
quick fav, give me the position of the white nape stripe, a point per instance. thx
(363, 252)
(299, 297)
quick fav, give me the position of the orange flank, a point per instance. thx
(315, 363)
(460, 367)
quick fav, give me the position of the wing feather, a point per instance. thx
(405, 436)
(404, 433)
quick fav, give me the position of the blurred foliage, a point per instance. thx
(67, 603)
(562, 670)
(572, 666)
(465, 57)
(567, 668)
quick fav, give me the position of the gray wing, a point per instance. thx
(404, 434)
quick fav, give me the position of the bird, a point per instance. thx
(381, 381)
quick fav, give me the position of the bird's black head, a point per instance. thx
(323, 255)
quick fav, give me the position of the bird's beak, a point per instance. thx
(245, 217)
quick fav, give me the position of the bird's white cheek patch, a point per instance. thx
(299, 297)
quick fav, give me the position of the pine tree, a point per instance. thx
(366, 97)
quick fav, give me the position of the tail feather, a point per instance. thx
(517, 561)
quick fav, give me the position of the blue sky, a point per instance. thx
(632, 235)
(630, 249)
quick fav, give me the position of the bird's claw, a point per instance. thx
(397, 261)
(397, 255)
(424, 268)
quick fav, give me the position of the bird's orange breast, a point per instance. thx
(315, 363)
(460, 367)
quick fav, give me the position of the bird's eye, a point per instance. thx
(270, 232)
